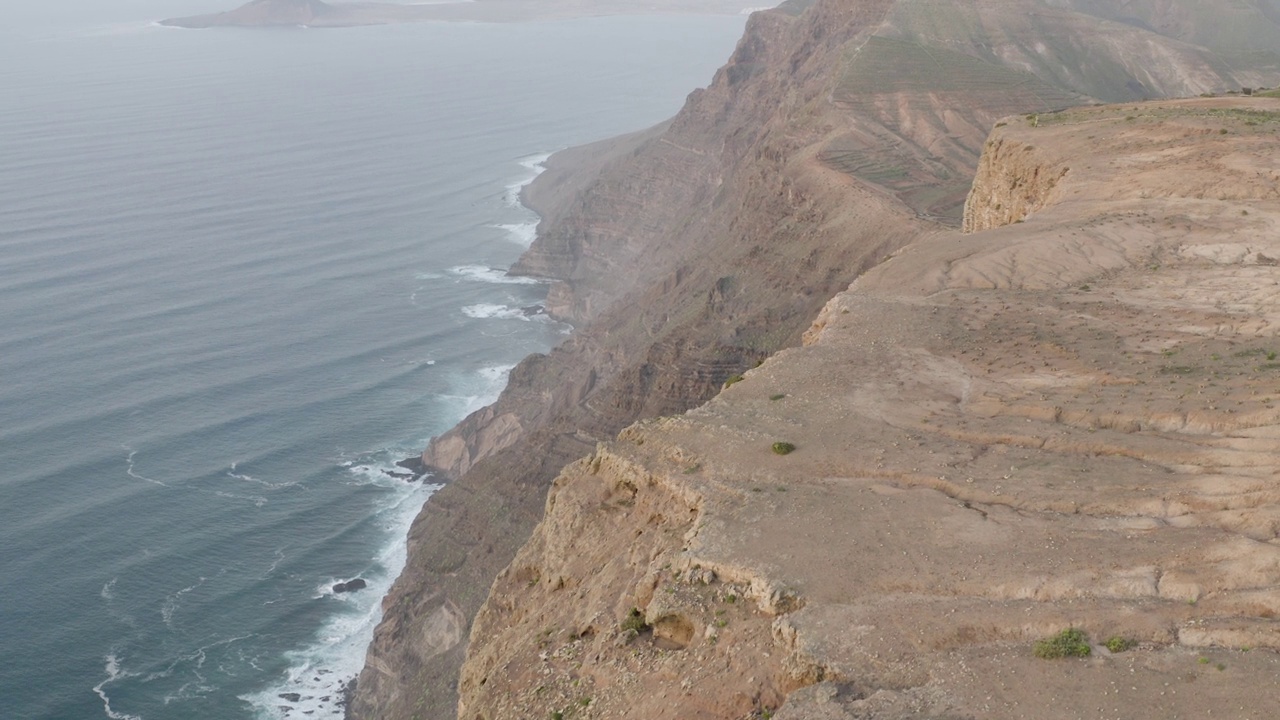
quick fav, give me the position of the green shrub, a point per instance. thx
(733, 380)
(635, 621)
(1068, 643)
(783, 448)
(1117, 644)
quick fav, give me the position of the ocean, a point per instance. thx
(241, 274)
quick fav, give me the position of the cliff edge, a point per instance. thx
(1065, 419)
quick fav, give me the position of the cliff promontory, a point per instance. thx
(1065, 421)
(841, 133)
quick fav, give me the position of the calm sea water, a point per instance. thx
(241, 273)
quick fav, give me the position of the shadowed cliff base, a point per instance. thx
(318, 14)
(700, 249)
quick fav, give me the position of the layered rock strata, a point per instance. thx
(1070, 419)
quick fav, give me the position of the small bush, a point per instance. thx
(776, 397)
(733, 380)
(783, 448)
(635, 621)
(1118, 644)
(1068, 643)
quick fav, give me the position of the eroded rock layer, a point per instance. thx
(1071, 420)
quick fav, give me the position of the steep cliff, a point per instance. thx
(1064, 422)
(838, 133)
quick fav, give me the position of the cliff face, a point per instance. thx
(1011, 183)
(835, 136)
(1063, 422)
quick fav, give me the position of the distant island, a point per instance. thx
(318, 14)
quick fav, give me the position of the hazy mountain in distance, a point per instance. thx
(314, 13)
(264, 13)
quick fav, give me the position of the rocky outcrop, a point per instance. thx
(1067, 422)
(831, 141)
(1012, 182)
(350, 586)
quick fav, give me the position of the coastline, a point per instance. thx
(317, 683)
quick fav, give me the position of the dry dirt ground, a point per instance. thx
(1066, 419)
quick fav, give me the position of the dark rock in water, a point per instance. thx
(291, 697)
(348, 691)
(533, 310)
(413, 465)
(350, 586)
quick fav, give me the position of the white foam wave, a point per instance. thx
(319, 672)
(172, 601)
(523, 234)
(535, 165)
(280, 555)
(496, 375)
(257, 500)
(108, 591)
(130, 465)
(488, 311)
(482, 273)
(249, 478)
(114, 673)
(494, 378)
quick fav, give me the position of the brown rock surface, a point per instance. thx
(1066, 421)
(840, 132)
